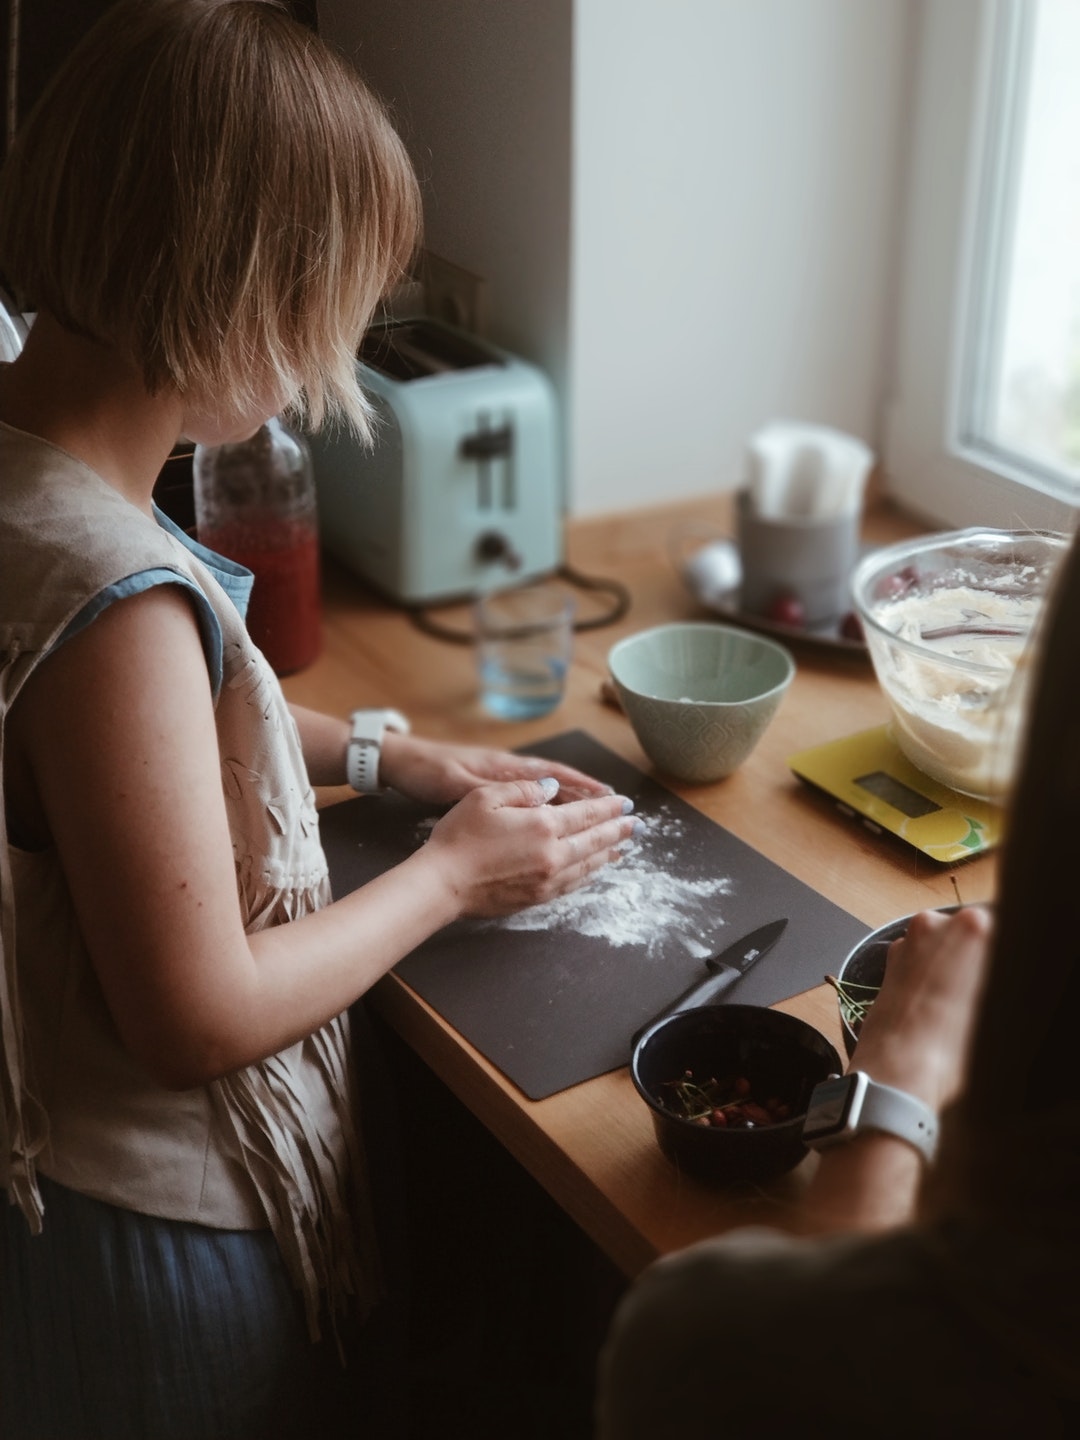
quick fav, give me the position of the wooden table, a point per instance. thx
(592, 1147)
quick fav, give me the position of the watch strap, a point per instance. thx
(873, 1106)
(897, 1113)
(364, 750)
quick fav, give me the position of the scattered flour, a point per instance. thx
(637, 900)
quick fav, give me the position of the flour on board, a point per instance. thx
(637, 900)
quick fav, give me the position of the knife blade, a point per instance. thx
(724, 970)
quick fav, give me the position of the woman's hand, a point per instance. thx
(916, 1034)
(504, 847)
(439, 774)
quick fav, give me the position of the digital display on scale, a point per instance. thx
(895, 793)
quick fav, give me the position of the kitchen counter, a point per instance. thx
(592, 1147)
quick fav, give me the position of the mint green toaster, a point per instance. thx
(462, 491)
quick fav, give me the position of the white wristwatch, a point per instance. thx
(843, 1105)
(365, 746)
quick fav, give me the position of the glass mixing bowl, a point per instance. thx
(948, 619)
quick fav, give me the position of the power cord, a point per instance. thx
(598, 585)
(594, 584)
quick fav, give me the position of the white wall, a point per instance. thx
(481, 91)
(686, 209)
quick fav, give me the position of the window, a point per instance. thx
(985, 424)
(1021, 387)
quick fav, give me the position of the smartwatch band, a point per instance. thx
(364, 750)
(844, 1105)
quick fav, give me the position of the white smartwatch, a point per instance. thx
(844, 1105)
(365, 746)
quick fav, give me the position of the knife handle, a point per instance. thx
(705, 992)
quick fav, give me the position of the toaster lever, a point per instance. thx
(487, 444)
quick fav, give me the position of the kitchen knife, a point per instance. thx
(724, 971)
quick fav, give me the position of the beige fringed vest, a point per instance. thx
(271, 1145)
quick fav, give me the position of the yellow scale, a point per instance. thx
(871, 780)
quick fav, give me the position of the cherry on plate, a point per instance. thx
(787, 609)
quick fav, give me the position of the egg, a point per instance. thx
(714, 572)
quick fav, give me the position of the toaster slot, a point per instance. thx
(413, 349)
(491, 446)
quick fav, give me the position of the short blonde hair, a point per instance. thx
(208, 188)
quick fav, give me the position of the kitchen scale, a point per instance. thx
(871, 780)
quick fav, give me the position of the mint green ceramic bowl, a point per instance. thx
(699, 696)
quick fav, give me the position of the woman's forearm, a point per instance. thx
(868, 1183)
(324, 740)
(915, 1038)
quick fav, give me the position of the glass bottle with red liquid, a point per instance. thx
(255, 504)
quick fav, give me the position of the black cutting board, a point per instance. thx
(555, 1006)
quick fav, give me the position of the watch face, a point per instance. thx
(829, 1107)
